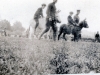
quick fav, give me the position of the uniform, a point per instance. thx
(51, 11)
(70, 20)
(38, 13)
(71, 23)
(76, 19)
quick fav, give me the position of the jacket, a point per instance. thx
(51, 10)
(38, 13)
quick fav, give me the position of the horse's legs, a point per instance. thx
(77, 39)
(60, 32)
(59, 35)
(74, 37)
(64, 37)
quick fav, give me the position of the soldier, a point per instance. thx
(70, 19)
(71, 22)
(76, 17)
(97, 37)
(38, 14)
(50, 20)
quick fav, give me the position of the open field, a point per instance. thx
(20, 56)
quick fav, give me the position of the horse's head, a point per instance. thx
(84, 24)
(57, 18)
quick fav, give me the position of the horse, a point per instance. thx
(74, 30)
(41, 27)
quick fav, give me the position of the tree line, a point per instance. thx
(15, 29)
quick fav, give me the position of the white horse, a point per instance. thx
(41, 27)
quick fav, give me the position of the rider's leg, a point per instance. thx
(48, 23)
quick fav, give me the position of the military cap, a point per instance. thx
(71, 12)
(43, 4)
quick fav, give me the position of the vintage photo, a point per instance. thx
(48, 37)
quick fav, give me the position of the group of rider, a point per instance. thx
(51, 11)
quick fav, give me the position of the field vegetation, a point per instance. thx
(20, 56)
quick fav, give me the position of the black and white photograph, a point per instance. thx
(49, 37)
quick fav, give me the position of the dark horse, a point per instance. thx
(75, 30)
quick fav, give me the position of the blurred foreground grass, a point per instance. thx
(20, 56)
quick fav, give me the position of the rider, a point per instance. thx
(76, 17)
(70, 19)
(50, 19)
(38, 14)
(71, 22)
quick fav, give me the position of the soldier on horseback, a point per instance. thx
(70, 19)
(71, 22)
(38, 14)
(76, 17)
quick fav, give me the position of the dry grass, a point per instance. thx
(20, 56)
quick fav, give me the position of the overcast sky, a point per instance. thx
(23, 11)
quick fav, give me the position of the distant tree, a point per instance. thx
(5, 25)
(17, 28)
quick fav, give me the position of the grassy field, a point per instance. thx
(20, 56)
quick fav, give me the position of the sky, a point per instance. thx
(23, 11)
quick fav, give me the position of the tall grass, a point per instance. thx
(20, 56)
